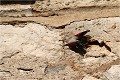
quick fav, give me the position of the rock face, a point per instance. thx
(89, 78)
(52, 5)
(113, 73)
(32, 38)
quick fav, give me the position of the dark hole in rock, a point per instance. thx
(2, 2)
(25, 69)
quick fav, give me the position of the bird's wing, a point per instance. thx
(82, 33)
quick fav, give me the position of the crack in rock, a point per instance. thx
(5, 73)
(11, 55)
(25, 69)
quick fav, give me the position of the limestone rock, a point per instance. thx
(52, 5)
(93, 51)
(32, 38)
(5, 74)
(90, 78)
(113, 73)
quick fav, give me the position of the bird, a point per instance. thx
(80, 42)
(77, 39)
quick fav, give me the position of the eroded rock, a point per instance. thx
(90, 78)
(33, 39)
(31, 50)
(5, 74)
(52, 5)
(113, 73)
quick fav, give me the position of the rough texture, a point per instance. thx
(113, 73)
(32, 39)
(52, 5)
(28, 49)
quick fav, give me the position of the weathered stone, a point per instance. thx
(52, 5)
(90, 78)
(98, 32)
(93, 52)
(5, 74)
(33, 36)
(54, 68)
(91, 60)
(31, 48)
(113, 73)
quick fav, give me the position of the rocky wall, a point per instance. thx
(32, 40)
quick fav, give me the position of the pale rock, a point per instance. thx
(91, 60)
(36, 46)
(32, 39)
(97, 51)
(61, 4)
(87, 77)
(5, 73)
(113, 73)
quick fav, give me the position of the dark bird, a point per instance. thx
(80, 42)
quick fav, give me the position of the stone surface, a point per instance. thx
(58, 15)
(28, 49)
(113, 73)
(90, 78)
(101, 30)
(5, 74)
(102, 52)
(32, 39)
(52, 5)
(14, 7)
